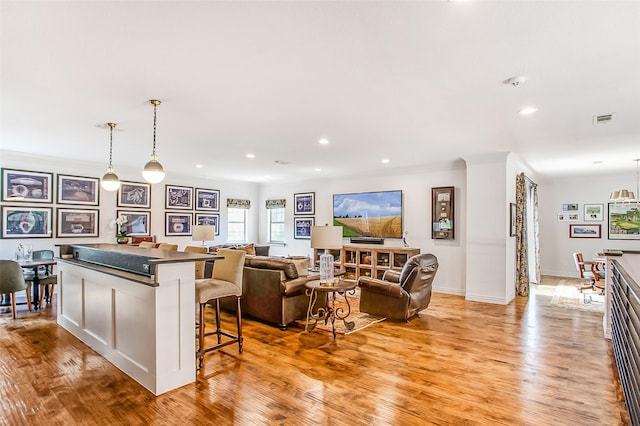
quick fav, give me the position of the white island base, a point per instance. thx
(145, 329)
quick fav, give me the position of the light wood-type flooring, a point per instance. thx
(460, 363)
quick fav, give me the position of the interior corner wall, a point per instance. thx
(489, 274)
(556, 247)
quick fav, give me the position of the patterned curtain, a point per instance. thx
(522, 269)
(536, 236)
(238, 204)
(276, 204)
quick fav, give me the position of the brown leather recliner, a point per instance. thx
(400, 295)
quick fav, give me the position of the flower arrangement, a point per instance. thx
(118, 222)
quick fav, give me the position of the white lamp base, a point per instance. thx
(326, 268)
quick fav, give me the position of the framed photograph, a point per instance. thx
(209, 219)
(593, 212)
(178, 224)
(138, 222)
(78, 190)
(573, 217)
(624, 222)
(207, 199)
(302, 227)
(77, 223)
(512, 219)
(134, 194)
(570, 207)
(584, 231)
(26, 222)
(27, 186)
(179, 197)
(304, 203)
(442, 213)
(563, 217)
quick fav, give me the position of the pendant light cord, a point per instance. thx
(154, 129)
(111, 126)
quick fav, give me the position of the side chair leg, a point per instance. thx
(239, 323)
(218, 330)
(201, 336)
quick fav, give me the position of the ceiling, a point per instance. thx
(419, 83)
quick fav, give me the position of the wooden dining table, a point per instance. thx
(34, 264)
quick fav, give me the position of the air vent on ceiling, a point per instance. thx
(601, 119)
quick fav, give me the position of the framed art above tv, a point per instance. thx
(369, 214)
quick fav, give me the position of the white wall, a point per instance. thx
(416, 187)
(556, 247)
(228, 189)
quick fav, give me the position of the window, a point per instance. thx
(276, 225)
(236, 224)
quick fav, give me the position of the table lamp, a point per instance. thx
(326, 237)
(203, 233)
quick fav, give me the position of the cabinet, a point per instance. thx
(357, 261)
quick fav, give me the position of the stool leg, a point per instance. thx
(218, 329)
(201, 335)
(13, 304)
(239, 324)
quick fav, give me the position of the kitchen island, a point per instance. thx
(135, 307)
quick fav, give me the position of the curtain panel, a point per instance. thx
(276, 204)
(238, 204)
(522, 268)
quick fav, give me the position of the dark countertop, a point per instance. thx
(156, 255)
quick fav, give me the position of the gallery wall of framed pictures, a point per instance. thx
(304, 207)
(179, 203)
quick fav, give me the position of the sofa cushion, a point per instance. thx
(302, 264)
(248, 248)
(278, 263)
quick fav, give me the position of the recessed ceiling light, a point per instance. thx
(250, 156)
(199, 166)
(527, 110)
(323, 141)
(318, 169)
(385, 161)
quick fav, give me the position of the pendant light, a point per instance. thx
(625, 195)
(110, 181)
(153, 171)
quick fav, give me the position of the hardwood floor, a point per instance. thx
(460, 363)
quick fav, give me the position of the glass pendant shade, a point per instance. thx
(110, 180)
(153, 171)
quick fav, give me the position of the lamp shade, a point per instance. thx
(326, 237)
(203, 233)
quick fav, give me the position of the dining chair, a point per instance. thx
(147, 244)
(11, 281)
(165, 246)
(225, 282)
(200, 264)
(46, 278)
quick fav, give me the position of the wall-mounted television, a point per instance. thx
(369, 214)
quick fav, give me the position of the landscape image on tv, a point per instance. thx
(369, 214)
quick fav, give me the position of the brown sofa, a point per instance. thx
(273, 289)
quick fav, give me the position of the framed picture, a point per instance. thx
(207, 199)
(624, 221)
(302, 227)
(134, 194)
(178, 224)
(584, 231)
(179, 197)
(27, 186)
(304, 203)
(512, 219)
(570, 207)
(593, 212)
(26, 222)
(78, 190)
(77, 223)
(209, 219)
(442, 213)
(138, 222)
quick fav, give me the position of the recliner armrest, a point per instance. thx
(391, 275)
(381, 287)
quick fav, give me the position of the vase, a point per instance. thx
(122, 240)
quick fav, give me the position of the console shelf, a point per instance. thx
(357, 261)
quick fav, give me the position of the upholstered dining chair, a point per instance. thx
(46, 278)
(225, 282)
(147, 244)
(400, 295)
(165, 246)
(201, 264)
(12, 280)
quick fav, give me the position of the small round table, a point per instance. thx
(328, 312)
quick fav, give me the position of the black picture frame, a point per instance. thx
(78, 190)
(207, 199)
(208, 219)
(138, 222)
(75, 223)
(134, 195)
(177, 224)
(302, 227)
(178, 197)
(304, 203)
(512, 219)
(443, 213)
(27, 186)
(27, 222)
